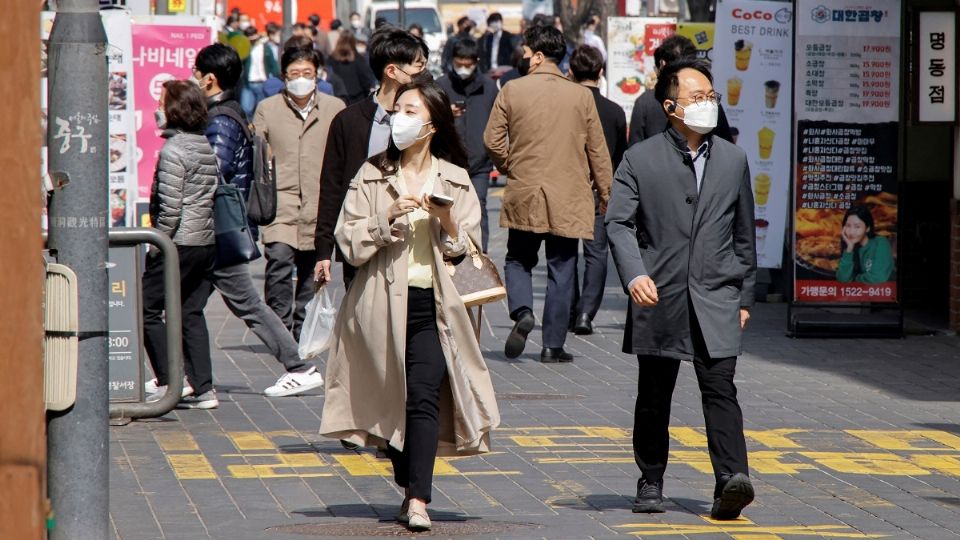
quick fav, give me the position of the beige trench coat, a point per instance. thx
(298, 147)
(544, 134)
(366, 380)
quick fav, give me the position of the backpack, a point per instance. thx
(262, 198)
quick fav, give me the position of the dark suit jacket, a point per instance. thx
(478, 95)
(345, 153)
(648, 119)
(614, 122)
(504, 54)
(699, 248)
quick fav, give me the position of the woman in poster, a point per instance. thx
(866, 257)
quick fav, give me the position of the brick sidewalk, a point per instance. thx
(848, 439)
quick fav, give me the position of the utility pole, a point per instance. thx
(402, 15)
(287, 20)
(78, 438)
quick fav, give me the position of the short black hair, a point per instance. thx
(494, 17)
(223, 62)
(391, 45)
(672, 49)
(300, 26)
(542, 19)
(314, 19)
(295, 54)
(462, 21)
(273, 28)
(668, 82)
(466, 48)
(586, 62)
(547, 40)
(336, 24)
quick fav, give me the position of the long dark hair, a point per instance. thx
(863, 213)
(446, 143)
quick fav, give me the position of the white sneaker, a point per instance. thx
(206, 400)
(160, 391)
(292, 384)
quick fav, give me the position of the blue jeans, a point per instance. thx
(251, 94)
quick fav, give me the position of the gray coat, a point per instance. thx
(181, 198)
(699, 249)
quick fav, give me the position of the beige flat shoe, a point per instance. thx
(404, 515)
(418, 522)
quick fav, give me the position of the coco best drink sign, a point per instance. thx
(752, 59)
(847, 104)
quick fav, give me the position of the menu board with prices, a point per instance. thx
(847, 108)
(752, 59)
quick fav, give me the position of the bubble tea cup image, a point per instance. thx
(761, 189)
(765, 142)
(734, 86)
(771, 91)
(742, 49)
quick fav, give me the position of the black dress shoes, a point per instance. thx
(583, 326)
(517, 339)
(733, 497)
(552, 356)
(649, 497)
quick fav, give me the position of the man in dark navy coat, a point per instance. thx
(681, 229)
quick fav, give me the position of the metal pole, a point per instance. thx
(402, 14)
(77, 447)
(162, 7)
(287, 20)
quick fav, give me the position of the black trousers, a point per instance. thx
(721, 411)
(196, 263)
(426, 370)
(522, 258)
(589, 296)
(287, 301)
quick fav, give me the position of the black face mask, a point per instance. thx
(524, 66)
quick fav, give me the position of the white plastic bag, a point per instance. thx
(317, 332)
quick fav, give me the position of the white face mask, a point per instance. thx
(244, 25)
(406, 130)
(355, 23)
(161, 117)
(496, 27)
(701, 117)
(465, 72)
(301, 87)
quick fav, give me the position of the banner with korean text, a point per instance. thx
(847, 104)
(630, 45)
(753, 69)
(161, 52)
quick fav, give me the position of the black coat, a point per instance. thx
(698, 248)
(649, 119)
(346, 150)
(614, 122)
(357, 77)
(508, 43)
(478, 95)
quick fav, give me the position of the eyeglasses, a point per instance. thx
(701, 99)
(307, 74)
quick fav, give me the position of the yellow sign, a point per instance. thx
(176, 6)
(701, 34)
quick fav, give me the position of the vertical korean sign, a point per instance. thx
(630, 45)
(160, 53)
(847, 110)
(753, 69)
(936, 93)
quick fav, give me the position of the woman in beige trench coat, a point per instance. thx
(405, 368)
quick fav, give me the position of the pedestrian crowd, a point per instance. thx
(384, 169)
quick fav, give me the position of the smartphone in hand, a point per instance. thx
(441, 200)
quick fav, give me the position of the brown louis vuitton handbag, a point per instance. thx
(476, 277)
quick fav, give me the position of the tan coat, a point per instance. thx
(366, 378)
(298, 147)
(544, 134)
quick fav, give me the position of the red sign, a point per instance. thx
(263, 11)
(654, 34)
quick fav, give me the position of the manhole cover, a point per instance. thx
(535, 397)
(390, 528)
